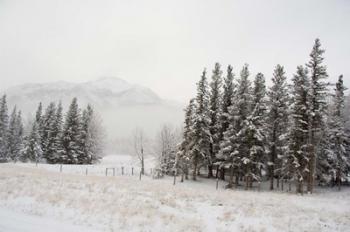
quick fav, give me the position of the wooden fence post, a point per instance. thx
(217, 183)
(86, 171)
(61, 168)
(132, 171)
(106, 171)
(140, 174)
(122, 171)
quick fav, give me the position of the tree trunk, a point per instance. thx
(194, 174)
(289, 185)
(142, 165)
(231, 177)
(246, 182)
(210, 171)
(222, 173)
(271, 182)
(338, 178)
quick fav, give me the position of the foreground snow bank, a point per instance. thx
(20, 222)
(124, 203)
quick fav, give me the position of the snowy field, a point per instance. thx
(44, 199)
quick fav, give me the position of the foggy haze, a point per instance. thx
(165, 45)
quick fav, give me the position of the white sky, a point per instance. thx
(165, 44)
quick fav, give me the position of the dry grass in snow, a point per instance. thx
(123, 203)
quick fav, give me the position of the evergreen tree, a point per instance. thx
(252, 136)
(71, 138)
(225, 120)
(38, 115)
(200, 152)
(4, 121)
(318, 92)
(337, 157)
(32, 150)
(48, 136)
(227, 98)
(57, 151)
(277, 123)
(86, 140)
(298, 157)
(232, 147)
(214, 115)
(15, 134)
(184, 155)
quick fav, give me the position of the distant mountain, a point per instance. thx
(122, 106)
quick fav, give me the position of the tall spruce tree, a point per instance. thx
(227, 98)
(299, 159)
(277, 123)
(47, 132)
(337, 157)
(201, 135)
(214, 115)
(232, 147)
(71, 138)
(15, 134)
(184, 155)
(225, 119)
(87, 140)
(57, 151)
(32, 150)
(318, 92)
(4, 121)
(252, 136)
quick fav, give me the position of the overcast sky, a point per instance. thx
(165, 44)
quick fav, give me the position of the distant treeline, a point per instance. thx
(52, 138)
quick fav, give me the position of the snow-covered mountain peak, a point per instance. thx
(122, 105)
(113, 84)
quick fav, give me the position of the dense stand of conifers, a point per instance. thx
(74, 140)
(290, 132)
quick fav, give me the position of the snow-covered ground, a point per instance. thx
(43, 199)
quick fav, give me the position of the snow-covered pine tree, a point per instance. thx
(38, 116)
(32, 150)
(11, 135)
(318, 92)
(227, 98)
(91, 137)
(4, 121)
(252, 135)
(337, 156)
(298, 157)
(57, 151)
(71, 138)
(232, 148)
(201, 135)
(277, 123)
(184, 155)
(15, 136)
(214, 115)
(48, 133)
(98, 137)
(86, 140)
(225, 120)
